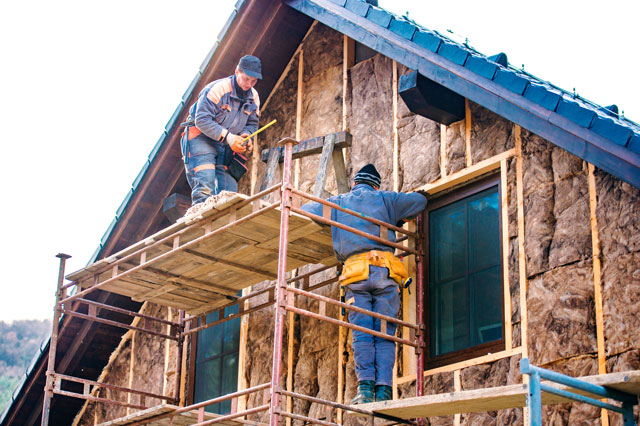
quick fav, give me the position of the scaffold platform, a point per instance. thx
(494, 398)
(186, 267)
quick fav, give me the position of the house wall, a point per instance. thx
(565, 309)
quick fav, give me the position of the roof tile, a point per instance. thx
(634, 143)
(403, 28)
(379, 16)
(427, 39)
(543, 96)
(610, 129)
(358, 7)
(481, 66)
(510, 80)
(453, 52)
(574, 111)
(339, 2)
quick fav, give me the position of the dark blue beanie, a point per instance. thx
(369, 175)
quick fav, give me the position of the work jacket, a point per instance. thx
(219, 111)
(387, 206)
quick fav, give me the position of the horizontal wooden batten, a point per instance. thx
(467, 174)
(312, 146)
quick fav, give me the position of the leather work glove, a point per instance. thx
(248, 144)
(235, 142)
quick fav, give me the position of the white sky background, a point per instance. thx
(86, 89)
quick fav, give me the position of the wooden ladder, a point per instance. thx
(330, 146)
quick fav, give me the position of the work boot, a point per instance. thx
(365, 392)
(383, 393)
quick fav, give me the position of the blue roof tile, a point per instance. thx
(500, 59)
(481, 66)
(227, 25)
(403, 28)
(138, 179)
(510, 80)
(634, 143)
(123, 205)
(427, 39)
(157, 146)
(107, 233)
(358, 7)
(339, 2)
(192, 86)
(574, 111)
(453, 52)
(543, 96)
(207, 59)
(610, 129)
(379, 16)
(174, 117)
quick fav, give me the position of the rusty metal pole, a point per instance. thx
(53, 342)
(179, 355)
(420, 265)
(281, 287)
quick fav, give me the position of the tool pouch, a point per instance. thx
(234, 162)
(355, 269)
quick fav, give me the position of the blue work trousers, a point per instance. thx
(205, 172)
(374, 356)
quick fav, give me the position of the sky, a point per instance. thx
(86, 89)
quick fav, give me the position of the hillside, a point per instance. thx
(19, 343)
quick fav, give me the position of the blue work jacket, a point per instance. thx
(387, 206)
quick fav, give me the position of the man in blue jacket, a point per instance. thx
(227, 111)
(371, 274)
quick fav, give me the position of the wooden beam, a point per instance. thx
(457, 387)
(167, 353)
(522, 259)
(310, 146)
(467, 131)
(504, 213)
(299, 102)
(467, 174)
(242, 352)
(131, 368)
(443, 150)
(597, 281)
(396, 146)
(323, 167)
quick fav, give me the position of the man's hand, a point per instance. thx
(235, 142)
(248, 143)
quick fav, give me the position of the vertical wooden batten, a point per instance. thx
(299, 99)
(443, 151)
(457, 387)
(242, 352)
(597, 280)
(504, 213)
(467, 132)
(521, 253)
(396, 146)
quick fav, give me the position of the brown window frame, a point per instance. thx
(436, 202)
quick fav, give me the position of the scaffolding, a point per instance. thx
(139, 269)
(156, 269)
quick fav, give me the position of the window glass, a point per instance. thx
(216, 371)
(465, 284)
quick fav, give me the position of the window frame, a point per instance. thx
(435, 202)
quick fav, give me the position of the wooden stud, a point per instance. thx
(131, 367)
(396, 146)
(299, 102)
(443, 151)
(467, 132)
(524, 285)
(167, 353)
(323, 167)
(597, 281)
(290, 341)
(457, 387)
(340, 170)
(504, 206)
(242, 352)
(409, 311)
(467, 174)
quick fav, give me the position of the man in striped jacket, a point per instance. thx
(227, 111)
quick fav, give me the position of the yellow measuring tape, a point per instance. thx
(257, 131)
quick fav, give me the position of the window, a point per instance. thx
(216, 369)
(463, 297)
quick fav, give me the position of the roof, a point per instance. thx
(585, 129)
(591, 132)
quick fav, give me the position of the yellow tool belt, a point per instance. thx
(356, 267)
